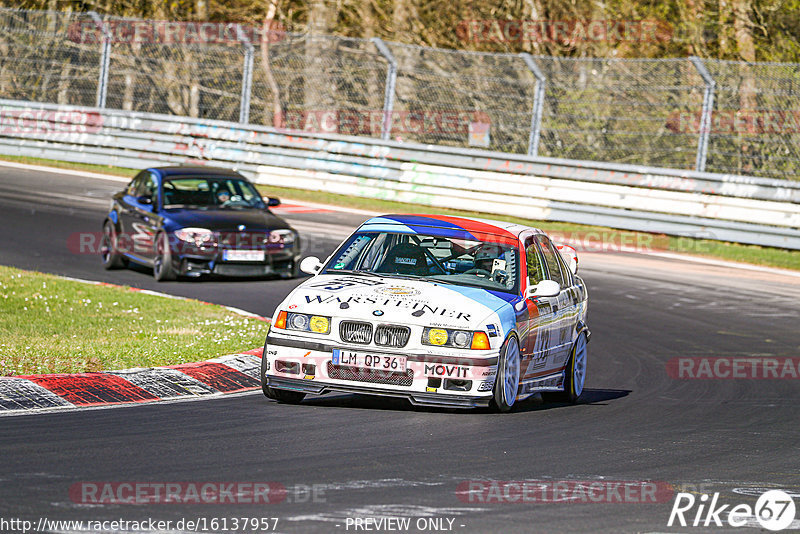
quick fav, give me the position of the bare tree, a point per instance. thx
(266, 37)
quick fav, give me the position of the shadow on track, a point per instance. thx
(206, 278)
(594, 397)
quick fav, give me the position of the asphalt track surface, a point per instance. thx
(372, 458)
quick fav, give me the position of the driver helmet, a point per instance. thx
(486, 255)
(223, 195)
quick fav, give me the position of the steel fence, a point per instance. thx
(706, 115)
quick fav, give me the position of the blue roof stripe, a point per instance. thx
(424, 225)
(456, 233)
(420, 220)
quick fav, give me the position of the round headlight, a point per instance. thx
(461, 339)
(298, 321)
(437, 336)
(320, 325)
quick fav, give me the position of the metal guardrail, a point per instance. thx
(725, 207)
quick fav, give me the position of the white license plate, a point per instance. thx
(364, 360)
(243, 255)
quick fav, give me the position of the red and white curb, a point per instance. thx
(234, 373)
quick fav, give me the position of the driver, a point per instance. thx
(489, 263)
(223, 196)
(484, 258)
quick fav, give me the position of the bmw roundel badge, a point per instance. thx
(377, 313)
(241, 227)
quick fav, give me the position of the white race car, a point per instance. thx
(444, 311)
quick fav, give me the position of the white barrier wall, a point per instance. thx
(725, 207)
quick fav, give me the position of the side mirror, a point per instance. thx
(545, 288)
(272, 202)
(571, 255)
(144, 199)
(311, 265)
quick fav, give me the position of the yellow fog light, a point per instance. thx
(437, 336)
(320, 325)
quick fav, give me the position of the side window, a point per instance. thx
(536, 272)
(551, 259)
(135, 184)
(147, 186)
(566, 274)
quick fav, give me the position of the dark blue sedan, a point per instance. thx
(190, 221)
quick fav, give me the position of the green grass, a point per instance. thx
(52, 325)
(772, 257)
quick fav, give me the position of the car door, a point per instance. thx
(541, 324)
(564, 309)
(125, 211)
(142, 218)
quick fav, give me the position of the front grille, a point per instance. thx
(355, 332)
(392, 336)
(375, 376)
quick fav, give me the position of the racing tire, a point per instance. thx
(506, 384)
(109, 255)
(576, 373)
(292, 272)
(162, 261)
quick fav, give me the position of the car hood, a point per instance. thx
(228, 219)
(400, 301)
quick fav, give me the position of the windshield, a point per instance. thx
(211, 192)
(486, 264)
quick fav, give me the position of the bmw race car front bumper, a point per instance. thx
(430, 380)
(415, 397)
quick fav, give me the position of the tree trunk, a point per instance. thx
(317, 91)
(743, 30)
(404, 19)
(369, 22)
(277, 109)
(693, 28)
(535, 11)
(724, 17)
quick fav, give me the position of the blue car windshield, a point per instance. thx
(484, 263)
(211, 193)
